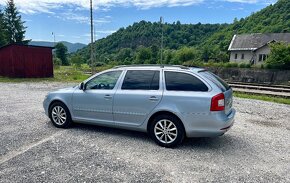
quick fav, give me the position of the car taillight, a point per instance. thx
(218, 102)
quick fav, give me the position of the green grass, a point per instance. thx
(61, 74)
(280, 100)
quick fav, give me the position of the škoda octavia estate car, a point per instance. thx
(168, 102)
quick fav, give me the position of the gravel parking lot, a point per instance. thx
(256, 149)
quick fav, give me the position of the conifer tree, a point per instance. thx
(14, 25)
(3, 39)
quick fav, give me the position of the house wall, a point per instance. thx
(247, 56)
(263, 50)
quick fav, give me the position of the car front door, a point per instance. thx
(94, 103)
(139, 94)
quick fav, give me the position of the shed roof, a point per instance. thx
(257, 40)
(16, 44)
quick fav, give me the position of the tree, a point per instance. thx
(154, 50)
(13, 24)
(61, 53)
(124, 53)
(186, 54)
(144, 55)
(279, 57)
(3, 39)
(77, 60)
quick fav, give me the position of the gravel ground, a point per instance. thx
(256, 149)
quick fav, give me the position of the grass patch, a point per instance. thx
(61, 74)
(280, 100)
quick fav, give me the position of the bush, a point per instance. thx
(245, 65)
(98, 64)
(262, 66)
(231, 64)
(85, 67)
(279, 57)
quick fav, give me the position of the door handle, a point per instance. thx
(153, 98)
(108, 97)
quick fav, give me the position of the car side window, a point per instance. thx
(141, 80)
(177, 81)
(105, 81)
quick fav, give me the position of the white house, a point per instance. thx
(254, 48)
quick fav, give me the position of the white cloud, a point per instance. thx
(251, 1)
(47, 6)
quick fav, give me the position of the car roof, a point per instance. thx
(171, 67)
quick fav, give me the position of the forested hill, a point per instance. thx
(148, 34)
(201, 41)
(272, 19)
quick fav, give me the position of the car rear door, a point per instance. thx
(136, 98)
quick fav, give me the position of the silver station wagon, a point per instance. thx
(168, 102)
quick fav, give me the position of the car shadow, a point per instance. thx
(227, 141)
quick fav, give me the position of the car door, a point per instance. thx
(94, 103)
(138, 95)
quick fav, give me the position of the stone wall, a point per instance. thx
(253, 75)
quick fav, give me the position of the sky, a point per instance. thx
(69, 20)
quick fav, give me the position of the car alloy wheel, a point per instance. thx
(165, 131)
(58, 115)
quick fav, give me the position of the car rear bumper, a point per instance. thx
(216, 126)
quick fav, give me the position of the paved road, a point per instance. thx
(257, 149)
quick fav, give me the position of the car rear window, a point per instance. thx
(217, 80)
(177, 81)
(141, 80)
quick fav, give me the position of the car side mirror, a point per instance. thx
(82, 86)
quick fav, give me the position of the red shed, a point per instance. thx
(26, 61)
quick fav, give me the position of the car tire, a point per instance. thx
(60, 115)
(167, 130)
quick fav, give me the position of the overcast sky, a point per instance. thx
(69, 19)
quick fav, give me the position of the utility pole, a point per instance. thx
(161, 23)
(92, 36)
(53, 34)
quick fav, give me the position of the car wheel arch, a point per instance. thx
(57, 101)
(150, 120)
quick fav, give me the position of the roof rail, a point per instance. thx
(152, 65)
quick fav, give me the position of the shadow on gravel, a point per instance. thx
(222, 142)
(110, 131)
(226, 142)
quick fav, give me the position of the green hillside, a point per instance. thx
(147, 34)
(140, 43)
(272, 19)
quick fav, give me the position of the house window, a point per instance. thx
(236, 56)
(243, 56)
(262, 57)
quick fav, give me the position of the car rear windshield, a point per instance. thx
(217, 80)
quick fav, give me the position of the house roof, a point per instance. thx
(13, 44)
(255, 41)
